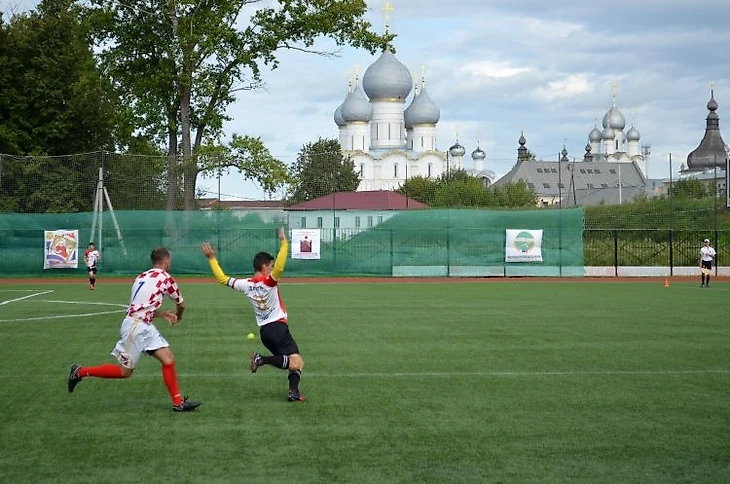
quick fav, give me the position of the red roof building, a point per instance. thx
(375, 200)
(214, 203)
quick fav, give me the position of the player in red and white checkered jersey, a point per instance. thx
(139, 335)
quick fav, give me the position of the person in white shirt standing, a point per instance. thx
(91, 257)
(707, 255)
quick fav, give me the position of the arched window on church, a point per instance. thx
(362, 169)
(430, 167)
(616, 145)
(395, 170)
(421, 141)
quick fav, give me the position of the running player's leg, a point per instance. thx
(169, 373)
(158, 347)
(127, 351)
(92, 277)
(270, 337)
(709, 271)
(277, 339)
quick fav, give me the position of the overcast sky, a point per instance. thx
(494, 67)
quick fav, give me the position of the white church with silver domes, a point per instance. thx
(612, 144)
(389, 142)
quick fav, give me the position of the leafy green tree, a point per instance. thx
(182, 62)
(321, 168)
(515, 195)
(689, 188)
(459, 189)
(54, 101)
(420, 188)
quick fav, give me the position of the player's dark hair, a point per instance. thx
(91, 243)
(159, 254)
(260, 259)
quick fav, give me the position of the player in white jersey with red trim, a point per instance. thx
(139, 335)
(707, 255)
(262, 291)
(91, 257)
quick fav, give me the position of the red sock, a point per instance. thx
(108, 370)
(170, 376)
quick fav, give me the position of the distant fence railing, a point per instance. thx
(651, 248)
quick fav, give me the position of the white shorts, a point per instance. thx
(137, 337)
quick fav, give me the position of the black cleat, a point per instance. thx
(186, 406)
(295, 396)
(255, 362)
(73, 378)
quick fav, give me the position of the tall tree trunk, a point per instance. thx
(172, 166)
(190, 165)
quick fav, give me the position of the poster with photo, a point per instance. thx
(60, 249)
(305, 244)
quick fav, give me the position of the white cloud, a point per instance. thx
(497, 70)
(571, 86)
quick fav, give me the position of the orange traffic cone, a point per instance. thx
(666, 282)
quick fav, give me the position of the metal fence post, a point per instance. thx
(671, 252)
(392, 256)
(615, 253)
(448, 251)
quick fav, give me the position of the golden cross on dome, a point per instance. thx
(613, 92)
(387, 10)
(349, 79)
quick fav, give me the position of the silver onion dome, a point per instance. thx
(609, 133)
(357, 108)
(387, 78)
(339, 120)
(457, 150)
(712, 104)
(478, 154)
(595, 135)
(633, 134)
(616, 119)
(422, 111)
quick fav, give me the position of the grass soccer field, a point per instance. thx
(525, 382)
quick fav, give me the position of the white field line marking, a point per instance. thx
(85, 302)
(25, 297)
(481, 374)
(63, 316)
(20, 290)
(486, 374)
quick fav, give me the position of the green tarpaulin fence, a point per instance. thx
(401, 243)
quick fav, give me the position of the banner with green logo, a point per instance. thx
(523, 246)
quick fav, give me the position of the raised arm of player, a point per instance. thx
(280, 261)
(209, 253)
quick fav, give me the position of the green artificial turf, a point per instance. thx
(525, 382)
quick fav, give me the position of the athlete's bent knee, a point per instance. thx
(126, 372)
(296, 363)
